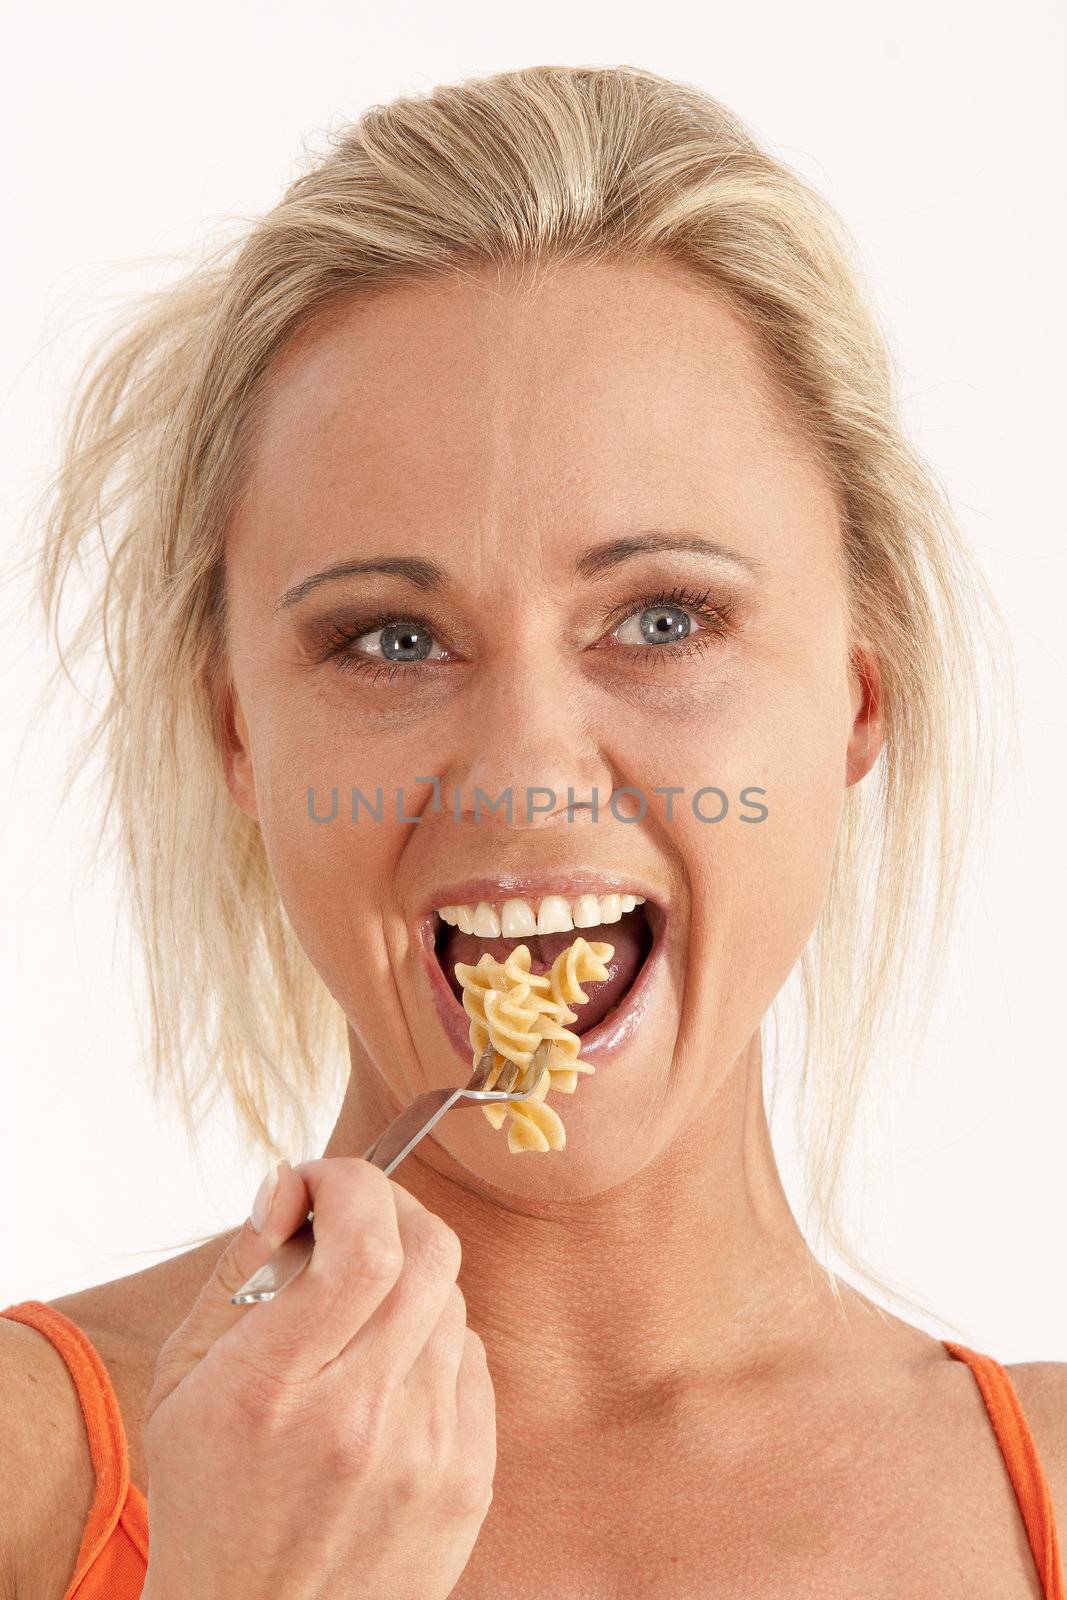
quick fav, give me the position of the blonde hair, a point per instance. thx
(542, 165)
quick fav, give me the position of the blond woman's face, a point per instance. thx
(553, 541)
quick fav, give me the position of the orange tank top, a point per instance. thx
(113, 1557)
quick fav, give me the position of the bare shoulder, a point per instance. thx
(127, 1320)
(44, 1447)
(45, 1466)
(135, 1314)
(1042, 1390)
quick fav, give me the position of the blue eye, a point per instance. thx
(660, 624)
(382, 645)
(399, 642)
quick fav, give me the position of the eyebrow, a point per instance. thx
(423, 574)
(592, 563)
(601, 558)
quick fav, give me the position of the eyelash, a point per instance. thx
(717, 621)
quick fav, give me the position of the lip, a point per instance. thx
(610, 1035)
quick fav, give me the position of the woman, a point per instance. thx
(541, 443)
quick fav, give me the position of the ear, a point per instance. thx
(868, 734)
(236, 751)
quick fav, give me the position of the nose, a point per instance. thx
(532, 757)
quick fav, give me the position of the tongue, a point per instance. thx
(628, 937)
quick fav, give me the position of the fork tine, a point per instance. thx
(511, 1072)
(540, 1062)
(484, 1067)
(535, 1070)
(509, 1077)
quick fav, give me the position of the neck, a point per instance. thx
(692, 1275)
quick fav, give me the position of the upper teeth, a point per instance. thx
(516, 919)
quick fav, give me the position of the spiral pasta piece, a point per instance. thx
(517, 970)
(580, 963)
(517, 1010)
(503, 1000)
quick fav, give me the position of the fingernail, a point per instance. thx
(264, 1196)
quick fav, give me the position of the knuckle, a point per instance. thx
(436, 1245)
(454, 1308)
(170, 1349)
(228, 1273)
(475, 1347)
(448, 1331)
(375, 1259)
(349, 1445)
(420, 1470)
(470, 1488)
(269, 1399)
(353, 1430)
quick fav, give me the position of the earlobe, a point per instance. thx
(236, 752)
(868, 733)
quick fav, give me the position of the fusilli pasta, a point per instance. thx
(516, 1010)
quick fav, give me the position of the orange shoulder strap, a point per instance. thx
(1019, 1450)
(114, 1550)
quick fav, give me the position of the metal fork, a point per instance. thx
(387, 1152)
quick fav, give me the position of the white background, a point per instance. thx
(132, 130)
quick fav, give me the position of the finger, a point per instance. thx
(433, 1373)
(212, 1314)
(356, 1260)
(476, 1403)
(394, 1337)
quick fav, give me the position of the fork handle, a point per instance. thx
(290, 1258)
(287, 1263)
(387, 1152)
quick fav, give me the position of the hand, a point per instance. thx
(338, 1440)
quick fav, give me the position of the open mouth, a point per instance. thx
(547, 925)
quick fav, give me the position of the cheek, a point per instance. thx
(310, 751)
(333, 874)
(781, 865)
(758, 887)
(334, 878)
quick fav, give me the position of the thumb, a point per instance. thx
(280, 1207)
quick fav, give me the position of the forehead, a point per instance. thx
(583, 402)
